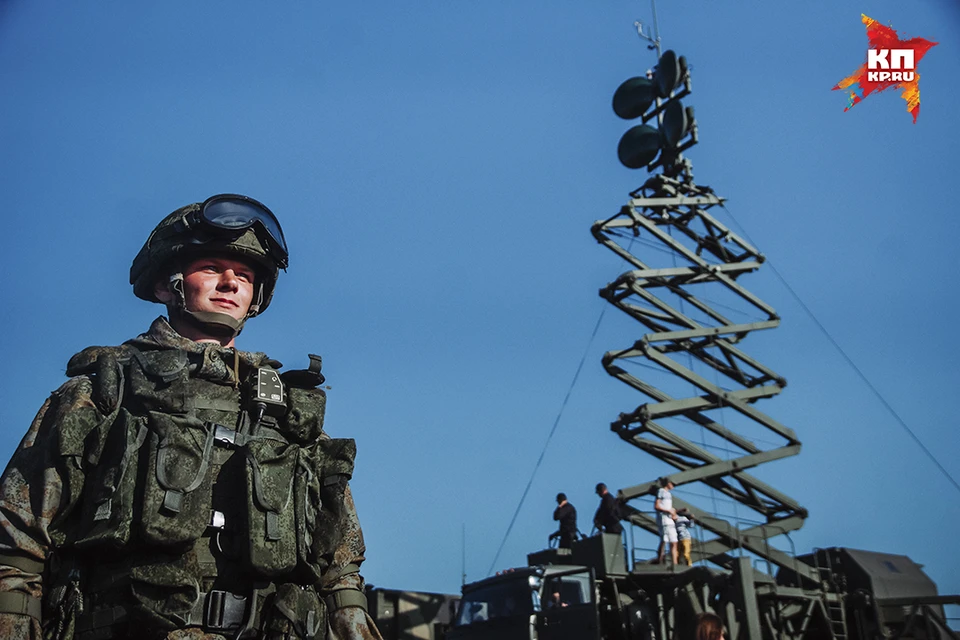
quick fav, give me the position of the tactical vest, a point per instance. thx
(198, 507)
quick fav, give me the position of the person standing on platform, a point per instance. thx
(607, 517)
(566, 514)
(666, 520)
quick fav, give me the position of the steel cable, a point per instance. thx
(849, 360)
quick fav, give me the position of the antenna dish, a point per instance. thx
(675, 124)
(639, 146)
(668, 73)
(633, 98)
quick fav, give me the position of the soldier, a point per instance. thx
(177, 487)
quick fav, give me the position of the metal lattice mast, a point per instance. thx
(692, 263)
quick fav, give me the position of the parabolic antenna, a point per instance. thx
(639, 146)
(668, 73)
(633, 98)
(675, 124)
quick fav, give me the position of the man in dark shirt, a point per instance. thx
(607, 518)
(567, 515)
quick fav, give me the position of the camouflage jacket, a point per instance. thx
(42, 488)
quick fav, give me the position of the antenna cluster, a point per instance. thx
(657, 95)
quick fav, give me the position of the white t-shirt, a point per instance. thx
(666, 502)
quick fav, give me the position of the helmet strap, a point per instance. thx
(255, 305)
(210, 322)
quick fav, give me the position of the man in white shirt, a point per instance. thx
(666, 515)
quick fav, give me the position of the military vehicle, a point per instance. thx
(596, 589)
(589, 592)
(743, 570)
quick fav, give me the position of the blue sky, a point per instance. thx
(436, 166)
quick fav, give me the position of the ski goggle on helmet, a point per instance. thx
(227, 215)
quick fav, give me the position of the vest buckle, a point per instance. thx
(224, 611)
(224, 435)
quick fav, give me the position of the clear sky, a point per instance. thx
(437, 166)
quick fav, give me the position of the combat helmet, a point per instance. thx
(227, 224)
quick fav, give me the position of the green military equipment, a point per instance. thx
(151, 506)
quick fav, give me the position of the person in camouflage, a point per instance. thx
(176, 487)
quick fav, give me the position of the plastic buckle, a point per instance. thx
(224, 435)
(224, 611)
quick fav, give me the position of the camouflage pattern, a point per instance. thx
(42, 498)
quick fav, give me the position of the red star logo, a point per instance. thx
(881, 38)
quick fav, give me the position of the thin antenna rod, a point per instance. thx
(656, 27)
(654, 40)
(463, 551)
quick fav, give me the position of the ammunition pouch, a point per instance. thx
(312, 482)
(270, 471)
(178, 452)
(107, 512)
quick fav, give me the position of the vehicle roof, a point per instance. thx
(509, 575)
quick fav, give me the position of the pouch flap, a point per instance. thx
(272, 468)
(165, 364)
(303, 423)
(183, 453)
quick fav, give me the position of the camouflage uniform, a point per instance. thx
(42, 501)
(179, 489)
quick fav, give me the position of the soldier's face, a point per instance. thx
(219, 284)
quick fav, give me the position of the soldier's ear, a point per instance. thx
(162, 291)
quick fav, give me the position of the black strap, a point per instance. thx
(305, 378)
(216, 611)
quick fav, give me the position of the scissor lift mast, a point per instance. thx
(691, 336)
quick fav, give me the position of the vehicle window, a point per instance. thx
(495, 601)
(563, 591)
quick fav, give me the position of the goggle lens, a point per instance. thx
(236, 213)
